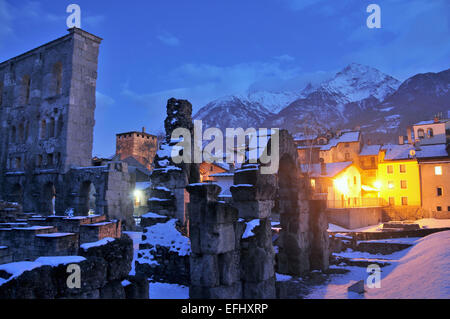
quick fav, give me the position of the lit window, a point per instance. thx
(421, 133)
(390, 169)
(313, 183)
(402, 168)
(391, 185)
(403, 184)
(405, 201)
(430, 133)
(438, 170)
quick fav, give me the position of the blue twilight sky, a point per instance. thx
(204, 49)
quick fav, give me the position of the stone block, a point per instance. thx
(260, 290)
(254, 209)
(229, 268)
(204, 270)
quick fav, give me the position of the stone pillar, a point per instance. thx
(320, 243)
(215, 257)
(295, 236)
(253, 196)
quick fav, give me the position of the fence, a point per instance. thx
(356, 202)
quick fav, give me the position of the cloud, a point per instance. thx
(169, 39)
(285, 58)
(202, 83)
(298, 5)
(103, 100)
(92, 21)
(6, 20)
(411, 39)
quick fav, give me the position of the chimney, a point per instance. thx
(436, 119)
(401, 140)
(409, 132)
(323, 167)
(143, 129)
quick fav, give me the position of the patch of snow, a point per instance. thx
(153, 215)
(158, 290)
(59, 260)
(281, 277)
(249, 228)
(166, 234)
(101, 242)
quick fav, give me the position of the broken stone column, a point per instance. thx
(215, 256)
(253, 196)
(168, 194)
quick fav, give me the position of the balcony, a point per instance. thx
(357, 202)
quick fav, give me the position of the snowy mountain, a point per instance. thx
(232, 111)
(356, 96)
(418, 98)
(335, 102)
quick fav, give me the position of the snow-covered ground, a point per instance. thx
(160, 290)
(424, 223)
(422, 271)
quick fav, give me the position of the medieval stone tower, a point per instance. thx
(47, 105)
(139, 145)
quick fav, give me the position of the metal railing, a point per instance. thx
(357, 202)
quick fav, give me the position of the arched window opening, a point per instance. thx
(60, 126)
(39, 161)
(87, 199)
(18, 162)
(26, 83)
(16, 195)
(430, 133)
(58, 159)
(21, 132)
(13, 134)
(48, 199)
(43, 134)
(49, 160)
(57, 78)
(51, 128)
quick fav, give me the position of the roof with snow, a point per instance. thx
(432, 122)
(399, 152)
(370, 150)
(332, 169)
(346, 137)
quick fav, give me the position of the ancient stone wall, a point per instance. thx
(104, 274)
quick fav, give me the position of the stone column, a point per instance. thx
(320, 243)
(253, 196)
(295, 236)
(214, 260)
